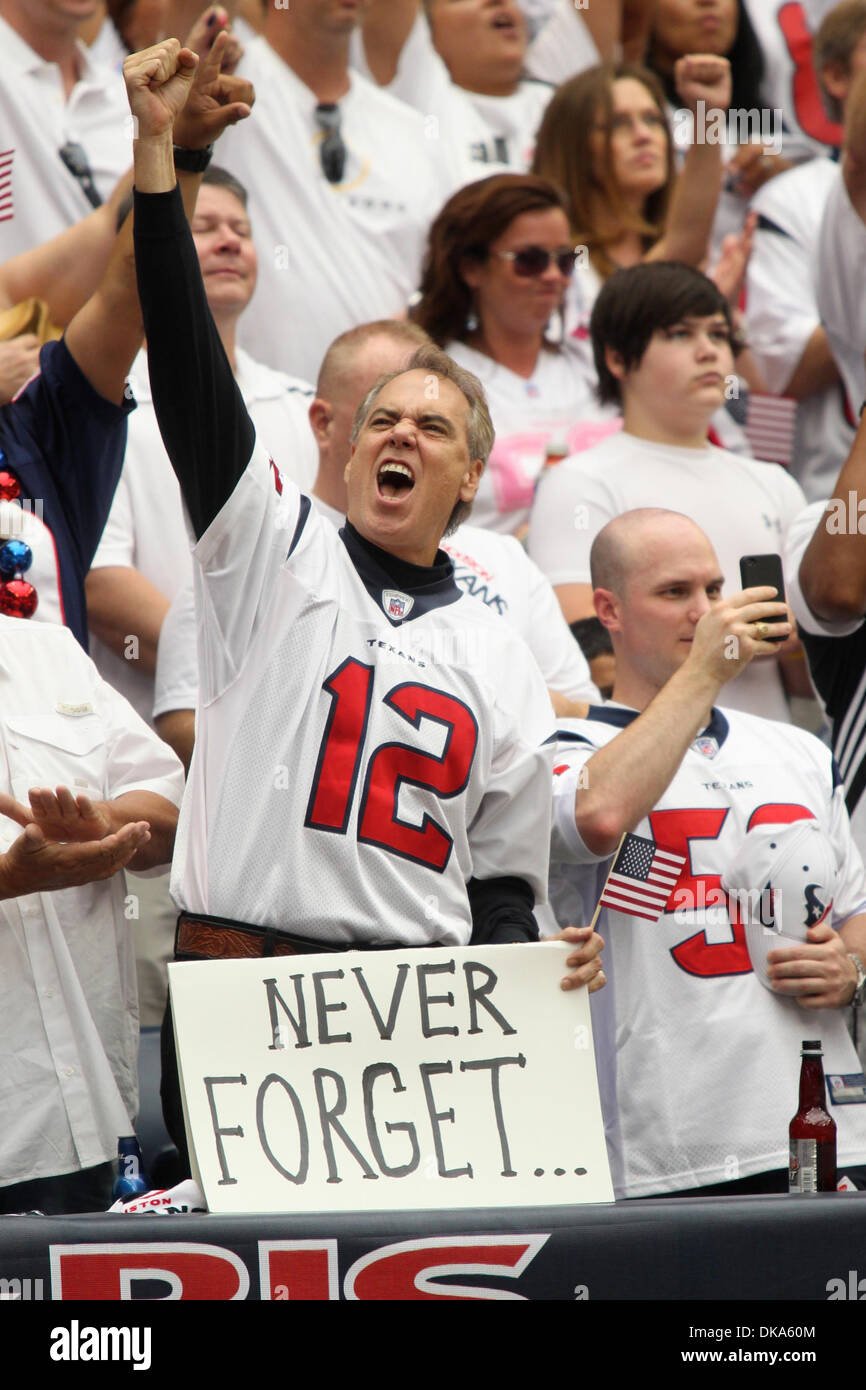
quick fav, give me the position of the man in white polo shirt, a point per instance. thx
(65, 133)
(343, 184)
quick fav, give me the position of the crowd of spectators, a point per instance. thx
(640, 225)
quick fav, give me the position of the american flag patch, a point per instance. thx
(642, 878)
(6, 208)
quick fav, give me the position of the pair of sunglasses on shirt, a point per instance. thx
(530, 261)
(74, 157)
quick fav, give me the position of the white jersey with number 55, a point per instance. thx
(707, 1058)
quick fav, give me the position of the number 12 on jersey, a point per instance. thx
(389, 766)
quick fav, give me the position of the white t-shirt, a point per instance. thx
(840, 272)
(707, 1058)
(361, 751)
(745, 508)
(493, 569)
(146, 529)
(837, 659)
(330, 255)
(556, 406)
(782, 314)
(38, 195)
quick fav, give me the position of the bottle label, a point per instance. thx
(803, 1167)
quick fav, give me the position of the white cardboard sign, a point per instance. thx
(390, 1080)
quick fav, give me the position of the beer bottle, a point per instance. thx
(812, 1131)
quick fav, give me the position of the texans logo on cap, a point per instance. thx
(782, 880)
(816, 910)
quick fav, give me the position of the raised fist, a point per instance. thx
(158, 82)
(703, 77)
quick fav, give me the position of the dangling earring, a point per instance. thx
(471, 321)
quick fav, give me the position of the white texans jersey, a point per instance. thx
(362, 752)
(785, 29)
(493, 569)
(707, 1058)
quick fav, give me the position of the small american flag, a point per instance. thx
(769, 427)
(642, 878)
(6, 209)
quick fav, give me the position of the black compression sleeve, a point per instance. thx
(207, 432)
(501, 911)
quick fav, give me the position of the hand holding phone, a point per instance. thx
(756, 570)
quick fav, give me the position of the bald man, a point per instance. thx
(706, 1057)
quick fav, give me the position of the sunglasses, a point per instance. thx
(74, 157)
(332, 150)
(534, 260)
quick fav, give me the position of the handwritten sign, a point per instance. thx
(382, 1080)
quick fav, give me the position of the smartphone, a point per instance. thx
(765, 569)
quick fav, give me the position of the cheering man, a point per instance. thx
(370, 764)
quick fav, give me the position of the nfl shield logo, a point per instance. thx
(707, 745)
(397, 605)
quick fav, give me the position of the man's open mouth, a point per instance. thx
(394, 479)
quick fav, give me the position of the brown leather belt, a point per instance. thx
(219, 938)
(200, 937)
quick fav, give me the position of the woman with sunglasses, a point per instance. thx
(499, 258)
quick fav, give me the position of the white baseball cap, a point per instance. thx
(784, 879)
